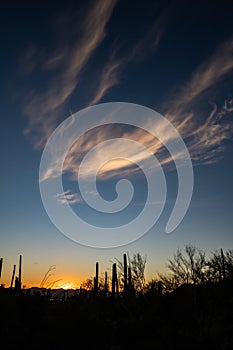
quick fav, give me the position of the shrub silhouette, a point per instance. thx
(194, 315)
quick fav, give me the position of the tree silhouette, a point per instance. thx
(87, 284)
(220, 265)
(187, 267)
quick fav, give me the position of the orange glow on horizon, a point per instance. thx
(62, 282)
(65, 283)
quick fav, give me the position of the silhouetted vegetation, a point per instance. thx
(190, 308)
(133, 270)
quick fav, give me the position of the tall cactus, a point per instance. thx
(1, 261)
(13, 276)
(106, 282)
(114, 280)
(223, 264)
(125, 274)
(18, 279)
(20, 272)
(96, 278)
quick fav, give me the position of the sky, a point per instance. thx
(57, 58)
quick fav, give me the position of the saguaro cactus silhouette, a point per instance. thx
(13, 276)
(125, 274)
(18, 279)
(20, 272)
(106, 282)
(96, 278)
(223, 264)
(114, 280)
(1, 261)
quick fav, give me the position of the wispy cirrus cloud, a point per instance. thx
(64, 64)
(203, 135)
(109, 78)
(206, 141)
(149, 43)
(43, 109)
(146, 45)
(68, 196)
(206, 76)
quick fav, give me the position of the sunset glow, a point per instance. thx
(116, 145)
(175, 59)
(67, 285)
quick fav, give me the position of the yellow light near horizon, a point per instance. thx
(67, 285)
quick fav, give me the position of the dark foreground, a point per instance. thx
(189, 318)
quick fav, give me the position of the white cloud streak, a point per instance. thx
(207, 75)
(109, 78)
(43, 109)
(204, 136)
(205, 140)
(148, 44)
(68, 196)
(65, 65)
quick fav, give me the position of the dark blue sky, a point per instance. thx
(175, 57)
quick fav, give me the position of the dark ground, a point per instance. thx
(192, 317)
